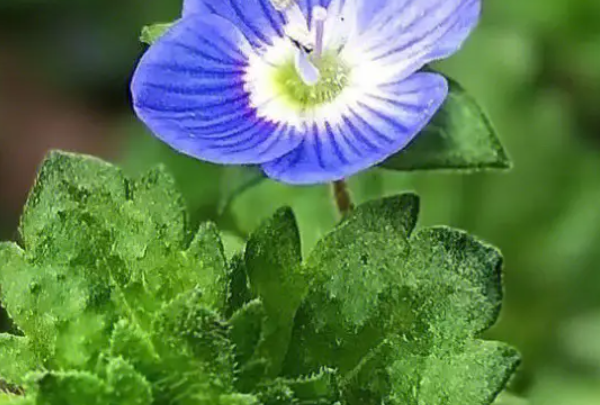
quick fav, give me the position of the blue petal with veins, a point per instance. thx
(206, 87)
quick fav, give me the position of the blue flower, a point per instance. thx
(311, 90)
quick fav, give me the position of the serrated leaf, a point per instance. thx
(16, 359)
(134, 344)
(197, 359)
(125, 385)
(238, 399)
(156, 194)
(233, 244)
(463, 275)
(246, 327)
(99, 246)
(321, 388)
(469, 373)
(473, 373)
(158, 265)
(276, 393)
(397, 314)
(274, 274)
(151, 33)
(109, 292)
(40, 297)
(206, 258)
(460, 137)
(11, 399)
(275, 277)
(318, 389)
(187, 357)
(354, 292)
(239, 290)
(56, 290)
(187, 326)
(71, 184)
(71, 388)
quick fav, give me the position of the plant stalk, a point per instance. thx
(341, 195)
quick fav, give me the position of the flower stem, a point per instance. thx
(342, 197)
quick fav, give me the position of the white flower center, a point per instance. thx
(310, 45)
(307, 77)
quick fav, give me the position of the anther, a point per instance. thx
(319, 15)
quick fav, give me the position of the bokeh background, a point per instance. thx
(533, 64)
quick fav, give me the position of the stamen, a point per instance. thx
(319, 17)
(307, 71)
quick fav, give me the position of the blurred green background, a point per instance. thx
(533, 64)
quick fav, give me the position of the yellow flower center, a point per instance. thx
(332, 81)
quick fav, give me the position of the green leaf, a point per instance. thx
(39, 297)
(156, 194)
(134, 344)
(151, 33)
(206, 259)
(464, 276)
(508, 399)
(196, 354)
(71, 388)
(16, 358)
(238, 399)
(233, 243)
(56, 289)
(472, 373)
(276, 393)
(318, 389)
(246, 328)
(12, 399)
(189, 328)
(97, 247)
(125, 385)
(68, 184)
(275, 277)
(353, 294)
(187, 356)
(152, 245)
(397, 314)
(119, 303)
(460, 137)
(239, 290)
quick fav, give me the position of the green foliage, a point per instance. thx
(508, 399)
(459, 137)
(119, 302)
(16, 358)
(151, 33)
(236, 180)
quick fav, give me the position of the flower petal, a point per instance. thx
(382, 122)
(408, 34)
(195, 7)
(258, 20)
(189, 90)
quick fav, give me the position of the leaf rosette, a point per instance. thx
(115, 300)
